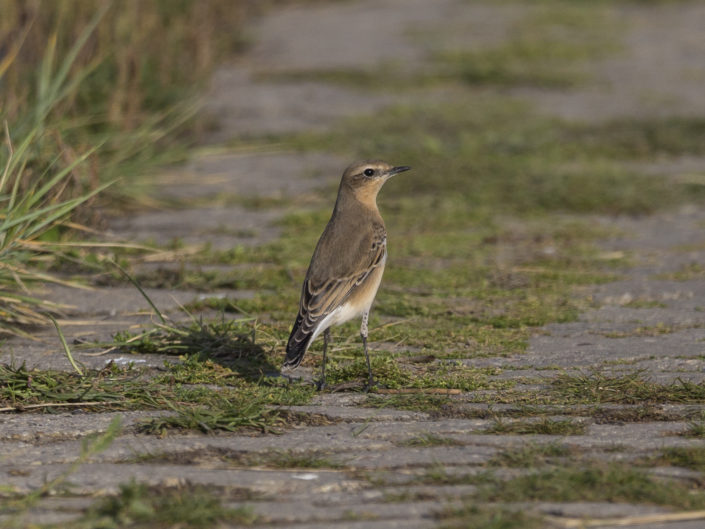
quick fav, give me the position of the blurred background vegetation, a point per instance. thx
(137, 59)
(92, 92)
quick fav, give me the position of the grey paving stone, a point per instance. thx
(37, 428)
(365, 524)
(361, 414)
(590, 509)
(104, 478)
(298, 512)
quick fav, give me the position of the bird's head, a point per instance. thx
(366, 178)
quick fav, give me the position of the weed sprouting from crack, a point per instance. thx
(695, 429)
(292, 459)
(430, 439)
(613, 482)
(139, 505)
(629, 388)
(202, 408)
(691, 457)
(411, 402)
(488, 517)
(219, 412)
(544, 426)
(531, 455)
(591, 481)
(23, 389)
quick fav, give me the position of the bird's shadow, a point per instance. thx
(233, 345)
(228, 343)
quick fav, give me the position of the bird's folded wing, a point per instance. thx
(322, 296)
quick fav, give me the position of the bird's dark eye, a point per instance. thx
(369, 172)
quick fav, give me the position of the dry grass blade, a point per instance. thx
(223, 414)
(11, 55)
(30, 274)
(171, 255)
(10, 152)
(18, 310)
(67, 350)
(627, 388)
(52, 405)
(30, 200)
(39, 245)
(141, 291)
(427, 391)
(21, 387)
(628, 521)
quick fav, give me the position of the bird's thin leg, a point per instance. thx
(322, 382)
(363, 335)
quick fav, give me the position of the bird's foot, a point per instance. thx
(320, 384)
(372, 384)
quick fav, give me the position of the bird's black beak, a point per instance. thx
(399, 169)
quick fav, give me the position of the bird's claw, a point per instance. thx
(373, 384)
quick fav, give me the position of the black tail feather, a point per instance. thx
(298, 343)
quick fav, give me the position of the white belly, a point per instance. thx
(346, 312)
(355, 306)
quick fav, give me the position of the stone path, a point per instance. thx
(362, 34)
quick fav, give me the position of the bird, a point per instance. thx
(347, 264)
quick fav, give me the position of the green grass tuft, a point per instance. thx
(531, 455)
(138, 505)
(430, 439)
(695, 429)
(600, 482)
(218, 412)
(292, 459)
(217, 406)
(544, 426)
(691, 457)
(411, 402)
(629, 388)
(478, 517)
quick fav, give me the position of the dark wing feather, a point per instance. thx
(321, 295)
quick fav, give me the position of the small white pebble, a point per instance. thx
(122, 360)
(305, 477)
(201, 297)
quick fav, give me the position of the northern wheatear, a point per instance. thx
(347, 264)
